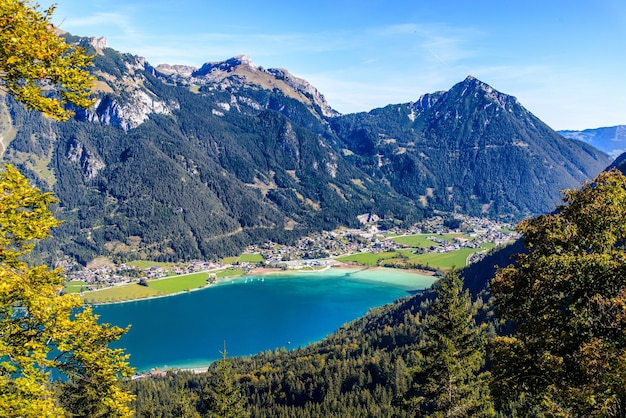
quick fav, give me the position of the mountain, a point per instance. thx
(471, 149)
(619, 163)
(177, 162)
(611, 140)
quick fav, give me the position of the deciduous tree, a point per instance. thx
(566, 299)
(43, 331)
(37, 67)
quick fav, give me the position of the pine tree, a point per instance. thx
(223, 396)
(448, 381)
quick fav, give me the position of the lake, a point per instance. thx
(252, 314)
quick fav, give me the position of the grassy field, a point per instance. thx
(251, 258)
(228, 273)
(416, 241)
(422, 241)
(74, 286)
(445, 261)
(143, 264)
(368, 259)
(180, 283)
(121, 293)
(160, 287)
(244, 258)
(441, 261)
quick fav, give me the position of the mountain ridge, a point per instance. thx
(168, 165)
(610, 139)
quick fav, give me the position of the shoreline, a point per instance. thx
(338, 265)
(275, 272)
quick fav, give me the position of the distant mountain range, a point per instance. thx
(611, 140)
(176, 162)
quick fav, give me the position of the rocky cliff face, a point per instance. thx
(133, 101)
(89, 163)
(240, 73)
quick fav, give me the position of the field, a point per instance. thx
(445, 261)
(251, 258)
(228, 273)
(180, 283)
(160, 287)
(74, 286)
(143, 264)
(422, 241)
(400, 258)
(244, 258)
(368, 259)
(121, 293)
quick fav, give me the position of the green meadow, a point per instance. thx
(368, 259)
(180, 283)
(158, 287)
(422, 241)
(74, 286)
(445, 261)
(121, 293)
(144, 264)
(407, 257)
(244, 258)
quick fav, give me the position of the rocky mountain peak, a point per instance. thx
(304, 87)
(474, 90)
(181, 70)
(241, 72)
(228, 65)
(98, 43)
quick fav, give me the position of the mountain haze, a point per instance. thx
(611, 140)
(179, 162)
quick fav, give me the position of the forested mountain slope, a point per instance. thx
(471, 149)
(183, 163)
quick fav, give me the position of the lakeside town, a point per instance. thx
(315, 250)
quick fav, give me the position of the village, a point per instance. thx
(319, 249)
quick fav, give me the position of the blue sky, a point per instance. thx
(564, 60)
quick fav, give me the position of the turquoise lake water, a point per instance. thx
(252, 314)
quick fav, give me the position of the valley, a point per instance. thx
(428, 247)
(219, 241)
(159, 171)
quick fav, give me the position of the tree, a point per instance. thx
(223, 395)
(566, 299)
(42, 330)
(182, 405)
(37, 67)
(448, 381)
